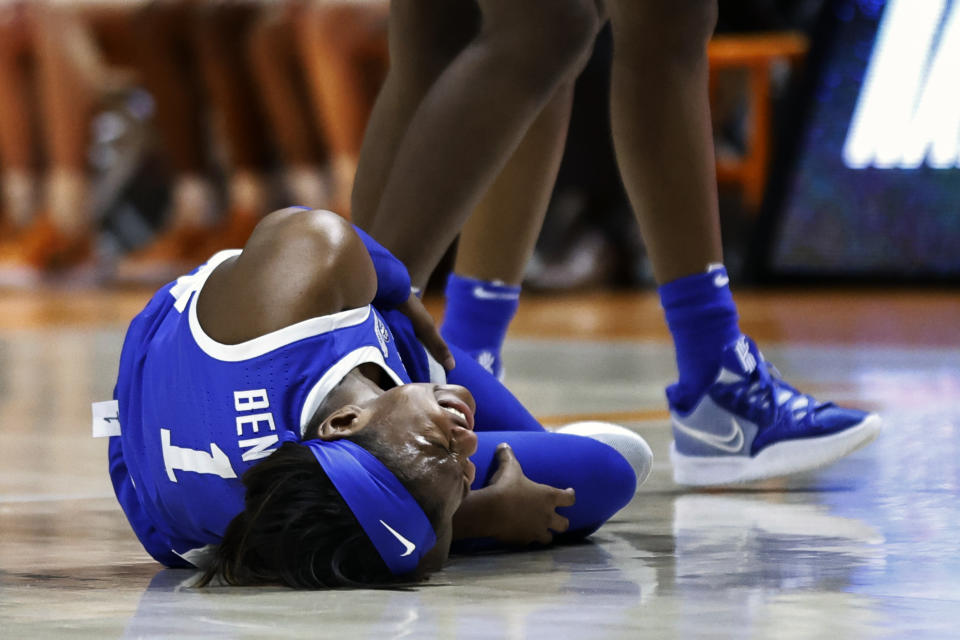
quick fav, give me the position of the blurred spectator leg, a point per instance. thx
(344, 50)
(282, 91)
(221, 35)
(498, 238)
(164, 60)
(18, 167)
(69, 71)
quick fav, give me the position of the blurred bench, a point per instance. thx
(757, 55)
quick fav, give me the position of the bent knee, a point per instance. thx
(604, 481)
(426, 35)
(571, 28)
(318, 249)
(324, 232)
(551, 37)
(664, 28)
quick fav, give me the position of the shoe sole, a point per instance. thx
(627, 443)
(781, 459)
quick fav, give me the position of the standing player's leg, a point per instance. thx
(664, 148)
(733, 420)
(18, 170)
(472, 119)
(424, 38)
(662, 131)
(496, 242)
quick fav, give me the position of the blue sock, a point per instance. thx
(702, 317)
(497, 408)
(477, 317)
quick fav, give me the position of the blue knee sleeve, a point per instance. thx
(497, 408)
(603, 480)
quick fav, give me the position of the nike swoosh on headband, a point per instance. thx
(407, 545)
(731, 442)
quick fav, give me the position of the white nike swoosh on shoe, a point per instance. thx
(731, 442)
(483, 294)
(721, 280)
(407, 545)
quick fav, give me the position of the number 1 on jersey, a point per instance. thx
(176, 458)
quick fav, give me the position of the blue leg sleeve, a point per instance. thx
(602, 478)
(497, 408)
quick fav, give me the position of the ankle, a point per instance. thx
(478, 313)
(703, 320)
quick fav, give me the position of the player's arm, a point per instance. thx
(394, 292)
(512, 508)
(393, 279)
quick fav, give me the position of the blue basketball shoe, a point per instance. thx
(750, 425)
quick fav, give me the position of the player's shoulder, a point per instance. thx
(298, 264)
(313, 240)
(311, 225)
(313, 257)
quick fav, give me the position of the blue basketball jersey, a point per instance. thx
(195, 413)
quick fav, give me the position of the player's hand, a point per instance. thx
(426, 331)
(528, 509)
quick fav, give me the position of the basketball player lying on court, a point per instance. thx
(284, 419)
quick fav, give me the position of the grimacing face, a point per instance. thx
(428, 431)
(424, 434)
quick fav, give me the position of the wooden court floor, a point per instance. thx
(867, 548)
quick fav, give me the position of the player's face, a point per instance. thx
(428, 430)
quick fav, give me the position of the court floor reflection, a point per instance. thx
(866, 548)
